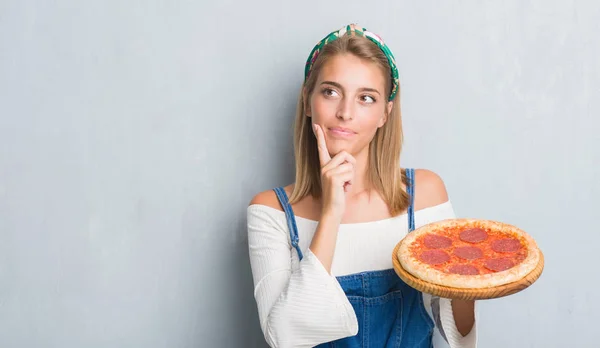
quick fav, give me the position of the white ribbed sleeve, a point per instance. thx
(446, 334)
(453, 336)
(300, 307)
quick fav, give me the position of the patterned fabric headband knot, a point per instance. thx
(349, 30)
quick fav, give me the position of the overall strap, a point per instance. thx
(289, 216)
(410, 189)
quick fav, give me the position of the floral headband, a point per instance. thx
(349, 30)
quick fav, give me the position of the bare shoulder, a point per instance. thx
(430, 189)
(269, 198)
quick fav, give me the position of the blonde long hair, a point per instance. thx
(384, 173)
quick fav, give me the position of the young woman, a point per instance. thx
(321, 248)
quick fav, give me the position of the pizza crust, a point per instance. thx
(427, 273)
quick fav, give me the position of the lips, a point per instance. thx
(340, 131)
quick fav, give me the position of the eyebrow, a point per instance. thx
(363, 89)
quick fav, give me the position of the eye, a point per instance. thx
(328, 92)
(368, 99)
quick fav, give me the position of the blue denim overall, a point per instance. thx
(390, 313)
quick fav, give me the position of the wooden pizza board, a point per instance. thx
(466, 294)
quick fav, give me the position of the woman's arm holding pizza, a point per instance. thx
(431, 191)
(464, 315)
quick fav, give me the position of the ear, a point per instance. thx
(383, 119)
(306, 102)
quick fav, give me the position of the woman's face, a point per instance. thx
(349, 103)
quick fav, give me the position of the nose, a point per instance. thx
(345, 111)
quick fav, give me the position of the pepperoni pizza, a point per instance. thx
(468, 253)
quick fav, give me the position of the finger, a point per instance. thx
(341, 176)
(342, 168)
(342, 157)
(346, 156)
(346, 177)
(347, 186)
(324, 156)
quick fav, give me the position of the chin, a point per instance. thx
(334, 148)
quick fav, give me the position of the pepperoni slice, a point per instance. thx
(434, 241)
(434, 257)
(468, 252)
(498, 265)
(506, 245)
(464, 269)
(473, 235)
